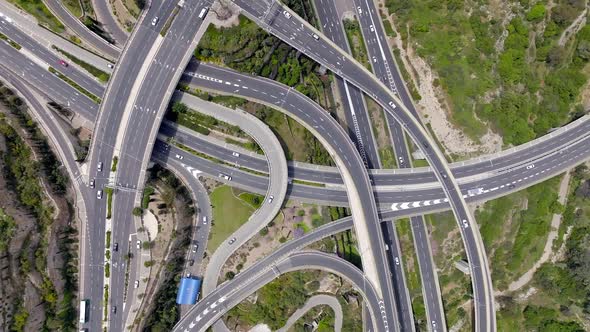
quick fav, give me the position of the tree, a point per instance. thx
(536, 13)
(137, 211)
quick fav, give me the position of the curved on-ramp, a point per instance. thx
(211, 310)
(277, 186)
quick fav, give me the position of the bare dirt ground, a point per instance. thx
(433, 106)
(124, 18)
(226, 14)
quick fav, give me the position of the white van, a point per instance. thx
(203, 12)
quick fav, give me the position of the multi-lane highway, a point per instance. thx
(295, 31)
(151, 64)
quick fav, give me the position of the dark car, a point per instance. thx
(191, 262)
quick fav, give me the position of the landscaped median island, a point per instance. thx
(75, 85)
(10, 41)
(101, 75)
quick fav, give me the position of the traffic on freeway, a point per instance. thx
(162, 58)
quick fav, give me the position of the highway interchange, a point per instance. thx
(126, 123)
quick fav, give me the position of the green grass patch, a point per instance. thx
(388, 28)
(254, 200)
(101, 75)
(108, 239)
(308, 183)
(109, 192)
(10, 41)
(41, 13)
(145, 198)
(356, 42)
(387, 158)
(106, 302)
(107, 270)
(115, 162)
(168, 23)
(75, 85)
(229, 213)
(73, 6)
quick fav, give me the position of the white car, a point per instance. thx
(465, 224)
(359, 9)
(204, 220)
(91, 183)
(138, 244)
(225, 176)
(316, 37)
(270, 198)
(531, 166)
(155, 20)
(235, 154)
(401, 160)
(371, 28)
(392, 104)
(136, 283)
(99, 167)
(99, 194)
(396, 261)
(233, 239)
(110, 65)
(374, 59)
(179, 157)
(287, 14)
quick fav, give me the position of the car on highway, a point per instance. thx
(99, 194)
(195, 247)
(270, 198)
(179, 157)
(374, 59)
(401, 160)
(155, 20)
(204, 220)
(287, 14)
(225, 176)
(371, 28)
(235, 154)
(136, 283)
(465, 224)
(116, 246)
(397, 261)
(392, 104)
(63, 63)
(315, 36)
(91, 184)
(138, 244)
(444, 176)
(360, 10)
(114, 309)
(233, 239)
(433, 325)
(531, 166)
(99, 166)
(110, 65)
